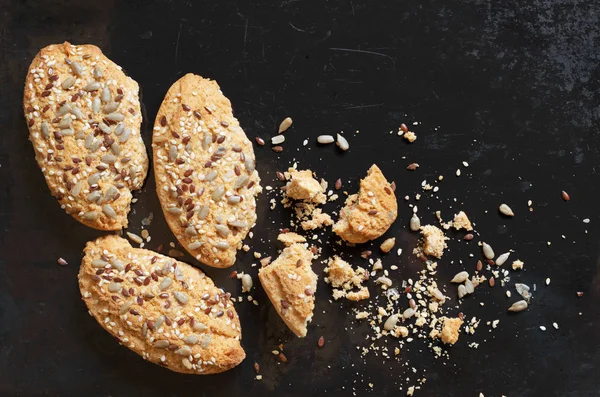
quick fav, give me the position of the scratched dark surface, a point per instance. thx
(511, 88)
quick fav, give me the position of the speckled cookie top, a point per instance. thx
(167, 311)
(84, 119)
(206, 176)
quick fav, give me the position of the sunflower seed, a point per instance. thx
(462, 291)
(183, 351)
(241, 181)
(218, 193)
(191, 339)
(119, 129)
(109, 211)
(523, 290)
(76, 68)
(387, 245)
(159, 322)
(75, 111)
(206, 141)
(115, 116)
(285, 124)
(203, 211)
(64, 109)
(222, 245)
(90, 216)
(502, 258)
(75, 190)
(96, 105)
(110, 107)
(114, 287)
(246, 283)
(95, 145)
(93, 86)
(190, 231)
(181, 297)
(97, 73)
(110, 193)
(125, 307)
(165, 283)
(89, 139)
(174, 210)
(234, 199)
(469, 287)
(325, 139)
(277, 139)
(104, 128)
(250, 165)
(195, 245)
(460, 277)
(65, 123)
(518, 306)
(161, 344)
(105, 95)
(488, 252)
(68, 82)
(415, 223)
(199, 327)
(206, 339)
(125, 136)
(238, 224)
(94, 196)
(108, 159)
(45, 130)
(99, 263)
(342, 142)
(391, 322)
(117, 264)
(505, 209)
(222, 230)
(172, 153)
(408, 313)
(135, 238)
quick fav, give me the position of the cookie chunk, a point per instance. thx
(167, 311)
(84, 122)
(450, 330)
(206, 177)
(368, 214)
(290, 284)
(302, 186)
(434, 241)
(461, 221)
(318, 220)
(290, 238)
(344, 279)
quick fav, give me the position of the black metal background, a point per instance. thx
(510, 87)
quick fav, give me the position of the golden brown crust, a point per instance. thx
(84, 122)
(434, 241)
(450, 330)
(205, 171)
(302, 186)
(167, 311)
(290, 284)
(370, 213)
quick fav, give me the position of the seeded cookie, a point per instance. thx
(290, 284)
(368, 214)
(167, 311)
(206, 177)
(84, 122)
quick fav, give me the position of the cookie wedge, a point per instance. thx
(290, 284)
(370, 213)
(206, 176)
(84, 119)
(167, 311)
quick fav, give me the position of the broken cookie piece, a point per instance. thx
(450, 330)
(290, 238)
(434, 241)
(370, 213)
(302, 186)
(344, 279)
(318, 220)
(461, 221)
(290, 284)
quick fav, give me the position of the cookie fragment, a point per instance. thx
(345, 280)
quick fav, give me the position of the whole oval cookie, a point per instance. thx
(84, 119)
(167, 311)
(206, 176)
